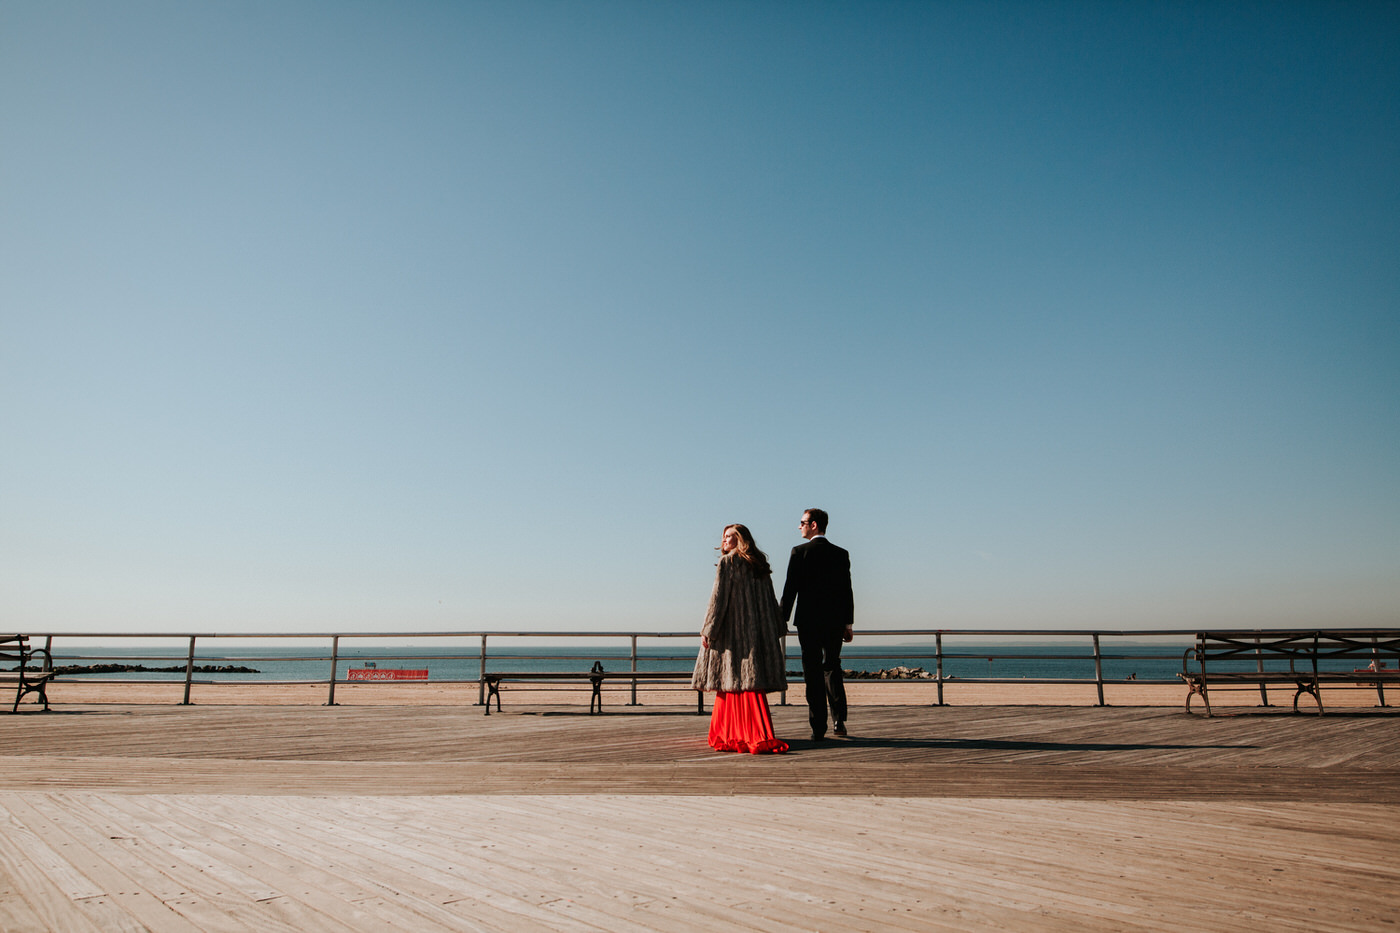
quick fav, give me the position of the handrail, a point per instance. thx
(941, 653)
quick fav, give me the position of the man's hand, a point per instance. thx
(850, 633)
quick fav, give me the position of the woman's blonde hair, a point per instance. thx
(748, 551)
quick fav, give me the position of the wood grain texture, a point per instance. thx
(655, 862)
(220, 818)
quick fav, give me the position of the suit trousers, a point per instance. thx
(821, 672)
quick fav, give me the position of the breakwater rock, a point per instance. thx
(139, 668)
(891, 673)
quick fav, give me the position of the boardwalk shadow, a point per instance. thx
(1004, 745)
(614, 712)
(1284, 712)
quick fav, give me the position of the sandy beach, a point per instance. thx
(883, 693)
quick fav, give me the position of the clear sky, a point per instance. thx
(434, 316)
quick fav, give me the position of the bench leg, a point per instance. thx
(23, 689)
(596, 698)
(1200, 691)
(1309, 688)
(493, 689)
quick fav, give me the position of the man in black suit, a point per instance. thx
(819, 582)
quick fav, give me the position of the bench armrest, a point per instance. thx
(32, 653)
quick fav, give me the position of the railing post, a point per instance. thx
(335, 663)
(1098, 669)
(1317, 687)
(634, 670)
(938, 662)
(189, 671)
(1259, 663)
(481, 680)
(1376, 664)
(782, 697)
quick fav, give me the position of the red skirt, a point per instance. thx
(741, 723)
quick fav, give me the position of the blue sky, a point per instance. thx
(461, 316)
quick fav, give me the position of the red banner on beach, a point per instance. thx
(370, 673)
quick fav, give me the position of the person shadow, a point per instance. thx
(1002, 745)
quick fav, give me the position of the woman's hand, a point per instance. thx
(704, 643)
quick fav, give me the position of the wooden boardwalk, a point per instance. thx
(212, 818)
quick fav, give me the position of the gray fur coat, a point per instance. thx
(744, 631)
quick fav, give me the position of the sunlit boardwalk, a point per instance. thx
(210, 817)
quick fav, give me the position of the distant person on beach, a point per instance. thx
(741, 653)
(819, 583)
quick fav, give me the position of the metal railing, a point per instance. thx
(463, 650)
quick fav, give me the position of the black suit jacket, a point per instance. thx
(819, 583)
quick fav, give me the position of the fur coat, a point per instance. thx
(742, 625)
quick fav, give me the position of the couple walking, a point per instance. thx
(741, 653)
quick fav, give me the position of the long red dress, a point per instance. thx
(741, 658)
(741, 723)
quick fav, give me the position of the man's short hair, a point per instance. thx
(819, 517)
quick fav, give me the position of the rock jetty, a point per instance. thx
(891, 673)
(139, 668)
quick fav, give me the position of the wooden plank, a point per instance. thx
(889, 863)
(334, 849)
(828, 776)
(82, 849)
(152, 867)
(546, 859)
(16, 916)
(33, 866)
(425, 872)
(955, 818)
(297, 905)
(1051, 735)
(207, 873)
(73, 884)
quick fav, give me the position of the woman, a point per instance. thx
(741, 652)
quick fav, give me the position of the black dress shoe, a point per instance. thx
(840, 728)
(818, 737)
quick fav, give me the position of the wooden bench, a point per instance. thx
(1368, 658)
(14, 649)
(595, 677)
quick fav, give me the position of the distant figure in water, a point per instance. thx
(741, 652)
